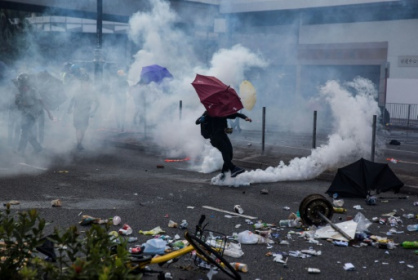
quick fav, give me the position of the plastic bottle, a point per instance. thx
(259, 225)
(286, 223)
(412, 227)
(410, 244)
(408, 216)
(240, 266)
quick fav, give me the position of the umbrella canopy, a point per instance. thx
(359, 178)
(248, 94)
(219, 99)
(154, 73)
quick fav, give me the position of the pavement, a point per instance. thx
(250, 154)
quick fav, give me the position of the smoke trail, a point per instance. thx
(158, 103)
(353, 113)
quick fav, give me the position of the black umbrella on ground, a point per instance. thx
(361, 177)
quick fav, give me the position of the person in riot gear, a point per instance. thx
(30, 106)
(83, 105)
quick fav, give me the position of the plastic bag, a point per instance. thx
(155, 246)
(248, 237)
(362, 222)
(233, 250)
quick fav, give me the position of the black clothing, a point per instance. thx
(220, 140)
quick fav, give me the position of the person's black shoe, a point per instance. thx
(236, 171)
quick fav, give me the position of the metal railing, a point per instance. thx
(401, 115)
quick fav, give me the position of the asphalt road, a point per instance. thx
(146, 192)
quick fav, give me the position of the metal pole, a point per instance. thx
(373, 137)
(180, 108)
(263, 130)
(334, 226)
(409, 113)
(98, 51)
(314, 130)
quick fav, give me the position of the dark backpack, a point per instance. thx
(206, 127)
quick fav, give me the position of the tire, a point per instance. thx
(211, 256)
(311, 205)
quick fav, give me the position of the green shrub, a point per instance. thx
(90, 256)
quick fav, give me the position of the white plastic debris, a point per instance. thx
(349, 267)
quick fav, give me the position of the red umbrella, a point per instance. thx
(219, 99)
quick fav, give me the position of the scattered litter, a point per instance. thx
(116, 220)
(312, 252)
(349, 267)
(154, 246)
(184, 224)
(338, 202)
(410, 265)
(385, 263)
(358, 207)
(264, 191)
(286, 208)
(340, 243)
(88, 220)
(313, 270)
(233, 250)
(390, 214)
(153, 231)
(211, 272)
(12, 202)
(125, 230)
(172, 224)
(247, 237)
(238, 209)
(237, 225)
(190, 207)
(56, 203)
(371, 200)
(132, 239)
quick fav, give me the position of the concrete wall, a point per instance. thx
(402, 38)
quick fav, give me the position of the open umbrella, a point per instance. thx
(359, 178)
(248, 94)
(219, 99)
(154, 73)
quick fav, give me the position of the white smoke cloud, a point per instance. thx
(353, 113)
(171, 48)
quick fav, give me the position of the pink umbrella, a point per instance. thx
(219, 99)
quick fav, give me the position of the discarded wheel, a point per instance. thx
(311, 205)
